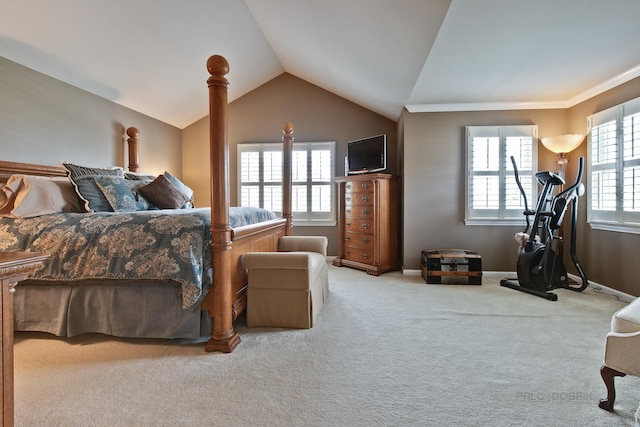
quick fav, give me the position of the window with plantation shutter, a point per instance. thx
(492, 194)
(260, 179)
(613, 162)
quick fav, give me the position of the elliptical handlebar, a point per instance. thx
(578, 181)
(524, 195)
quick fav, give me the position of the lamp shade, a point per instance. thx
(562, 143)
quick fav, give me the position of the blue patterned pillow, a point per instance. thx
(122, 194)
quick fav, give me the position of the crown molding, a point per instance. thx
(497, 106)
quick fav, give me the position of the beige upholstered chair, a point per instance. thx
(622, 350)
(287, 288)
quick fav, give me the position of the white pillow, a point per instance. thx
(25, 196)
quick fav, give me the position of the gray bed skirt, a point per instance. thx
(133, 310)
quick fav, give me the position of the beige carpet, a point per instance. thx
(386, 351)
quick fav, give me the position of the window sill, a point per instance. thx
(617, 228)
(495, 221)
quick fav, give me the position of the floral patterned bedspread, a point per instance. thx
(156, 244)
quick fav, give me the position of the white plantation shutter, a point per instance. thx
(260, 179)
(312, 181)
(631, 166)
(492, 194)
(614, 168)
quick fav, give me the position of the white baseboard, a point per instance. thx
(597, 287)
(602, 289)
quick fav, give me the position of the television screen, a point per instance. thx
(367, 155)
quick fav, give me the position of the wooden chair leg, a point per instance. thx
(608, 374)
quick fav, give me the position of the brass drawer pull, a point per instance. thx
(347, 224)
(348, 198)
(347, 238)
(366, 240)
(366, 225)
(348, 186)
(366, 211)
(365, 185)
(348, 210)
(366, 198)
(365, 256)
(347, 252)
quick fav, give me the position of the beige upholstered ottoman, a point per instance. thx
(288, 288)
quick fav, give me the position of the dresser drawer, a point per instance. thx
(359, 240)
(353, 225)
(362, 255)
(359, 198)
(365, 185)
(357, 211)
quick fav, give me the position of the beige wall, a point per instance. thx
(43, 120)
(609, 258)
(317, 115)
(433, 171)
(434, 183)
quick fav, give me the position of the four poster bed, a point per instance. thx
(138, 271)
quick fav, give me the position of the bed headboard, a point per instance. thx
(16, 168)
(12, 168)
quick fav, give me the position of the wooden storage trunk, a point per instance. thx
(451, 266)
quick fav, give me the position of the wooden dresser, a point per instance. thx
(14, 267)
(368, 222)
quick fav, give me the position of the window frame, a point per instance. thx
(501, 215)
(309, 217)
(617, 219)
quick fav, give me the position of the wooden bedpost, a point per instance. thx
(287, 149)
(132, 142)
(223, 337)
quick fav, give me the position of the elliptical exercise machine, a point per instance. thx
(540, 267)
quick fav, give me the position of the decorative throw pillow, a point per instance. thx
(122, 194)
(88, 191)
(184, 189)
(93, 199)
(163, 194)
(135, 176)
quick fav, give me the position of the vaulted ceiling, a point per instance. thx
(386, 55)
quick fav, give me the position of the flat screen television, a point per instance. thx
(367, 155)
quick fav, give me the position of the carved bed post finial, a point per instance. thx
(133, 142)
(220, 297)
(287, 148)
